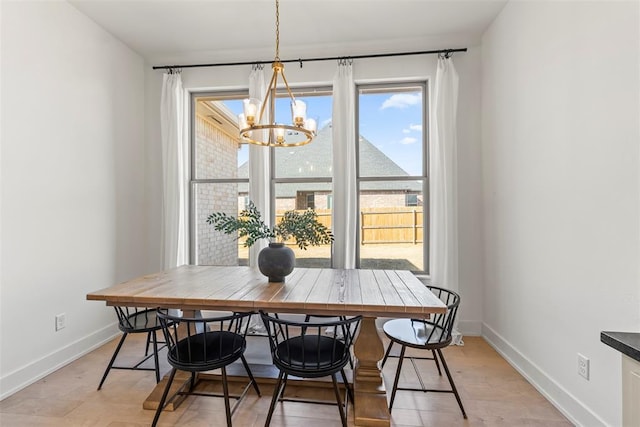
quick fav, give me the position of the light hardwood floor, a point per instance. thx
(493, 393)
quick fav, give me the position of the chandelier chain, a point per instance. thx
(277, 31)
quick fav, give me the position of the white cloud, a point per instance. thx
(414, 128)
(408, 140)
(400, 100)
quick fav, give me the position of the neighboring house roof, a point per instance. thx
(315, 160)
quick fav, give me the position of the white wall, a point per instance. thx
(553, 254)
(560, 134)
(73, 215)
(383, 69)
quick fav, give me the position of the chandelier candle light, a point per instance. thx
(274, 134)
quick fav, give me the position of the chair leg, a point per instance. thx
(395, 382)
(351, 362)
(437, 363)
(347, 386)
(164, 397)
(113, 359)
(274, 399)
(386, 354)
(225, 389)
(146, 349)
(343, 417)
(192, 385)
(155, 356)
(251, 378)
(284, 385)
(453, 386)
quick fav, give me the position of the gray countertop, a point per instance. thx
(627, 343)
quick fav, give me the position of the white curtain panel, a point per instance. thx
(174, 172)
(443, 254)
(259, 158)
(344, 169)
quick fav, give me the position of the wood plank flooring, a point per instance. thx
(493, 393)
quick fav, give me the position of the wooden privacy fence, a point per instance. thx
(391, 225)
(382, 225)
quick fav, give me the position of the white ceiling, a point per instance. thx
(189, 30)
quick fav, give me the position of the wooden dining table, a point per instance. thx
(321, 291)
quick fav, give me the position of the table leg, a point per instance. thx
(181, 382)
(370, 401)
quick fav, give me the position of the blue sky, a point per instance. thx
(393, 123)
(390, 121)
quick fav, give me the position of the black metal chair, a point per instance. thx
(432, 334)
(200, 344)
(133, 320)
(302, 349)
(308, 318)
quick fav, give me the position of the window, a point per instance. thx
(217, 180)
(411, 200)
(305, 200)
(391, 175)
(302, 175)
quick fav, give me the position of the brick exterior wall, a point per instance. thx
(368, 199)
(371, 199)
(217, 157)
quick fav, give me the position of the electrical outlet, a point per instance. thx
(61, 321)
(583, 366)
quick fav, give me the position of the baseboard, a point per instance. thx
(34, 371)
(470, 328)
(563, 400)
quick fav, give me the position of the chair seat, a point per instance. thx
(141, 321)
(415, 333)
(311, 353)
(207, 351)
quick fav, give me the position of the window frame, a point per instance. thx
(384, 86)
(193, 181)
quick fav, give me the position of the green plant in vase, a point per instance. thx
(277, 260)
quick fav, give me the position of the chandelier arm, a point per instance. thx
(272, 99)
(272, 107)
(286, 84)
(272, 83)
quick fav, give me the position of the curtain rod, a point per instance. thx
(447, 52)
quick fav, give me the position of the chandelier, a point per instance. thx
(275, 134)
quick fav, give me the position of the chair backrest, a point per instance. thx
(198, 342)
(440, 326)
(310, 347)
(136, 319)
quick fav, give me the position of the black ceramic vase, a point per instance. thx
(276, 261)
